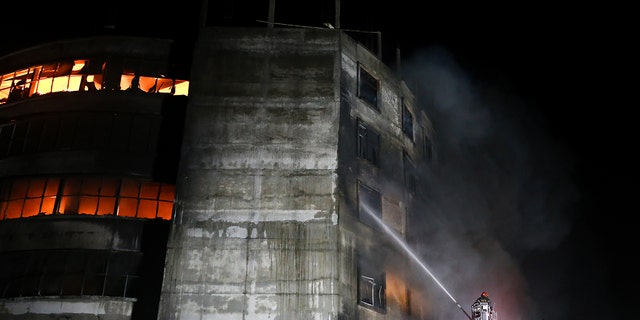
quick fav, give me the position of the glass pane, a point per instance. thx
(167, 192)
(115, 286)
(147, 209)
(60, 84)
(74, 83)
(72, 186)
(31, 207)
(47, 205)
(93, 285)
(106, 206)
(88, 205)
(129, 188)
(127, 207)
(14, 208)
(96, 263)
(69, 205)
(72, 285)
(109, 187)
(149, 190)
(36, 188)
(91, 186)
(165, 210)
(51, 285)
(52, 187)
(29, 285)
(19, 189)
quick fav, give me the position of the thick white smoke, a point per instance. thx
(501, 189)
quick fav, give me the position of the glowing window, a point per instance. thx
(27, 197)
(89, 75)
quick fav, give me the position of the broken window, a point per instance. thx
(368, 143)
(89, 75)
(368, 88)
(371, 286)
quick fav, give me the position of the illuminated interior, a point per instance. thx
(396, 291)
(125, 197)
(89, 75)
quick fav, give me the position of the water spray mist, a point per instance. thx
(401, 243)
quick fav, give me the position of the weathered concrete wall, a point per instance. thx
(372, 244)
(86, 308)
(255, 234)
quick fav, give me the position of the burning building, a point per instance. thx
(244, 178)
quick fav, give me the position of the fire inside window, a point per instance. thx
(89, 75)
(368, 88)
(125, 197)
(368, 143)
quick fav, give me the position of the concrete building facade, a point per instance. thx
(264, 175)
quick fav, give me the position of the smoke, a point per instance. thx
(500, 190)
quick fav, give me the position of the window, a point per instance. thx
(369, 206)
(407, 121)
(89, 75)
(409, 173)
(28, 197)
(368, 143)
(70, 273)
(371, 286)
(368, 88)
(427, 151)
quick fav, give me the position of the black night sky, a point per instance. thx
(526, 90)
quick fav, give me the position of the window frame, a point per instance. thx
(407, 121)
(368, 88)
(366, 196)
(368, 142)
(85, 195)
(371, 288)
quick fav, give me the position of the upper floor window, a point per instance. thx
(407, 121)
(130, 133)
(427, 148)
(21, 198)
(368, 88)
(369, 206)
(71, 273)
(409, 173)
(368, 143)
(89, 75)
